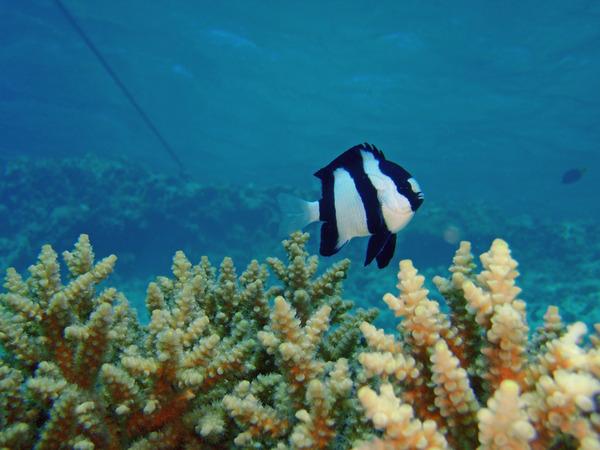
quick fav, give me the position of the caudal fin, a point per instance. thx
(297, 213)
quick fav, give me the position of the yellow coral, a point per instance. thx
(539, 393)
(314, 396)
(401, 429)
(226, 360)
(504, 423)
(79, 371)
(496, 283)
(453, 394)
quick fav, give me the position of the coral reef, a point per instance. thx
(231, 360)
(315, 376)
(111, 199)
(78, 371)
(473, 378)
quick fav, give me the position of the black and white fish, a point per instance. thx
(362, 194)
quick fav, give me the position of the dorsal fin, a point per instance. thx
(378, 154)
(350, 158)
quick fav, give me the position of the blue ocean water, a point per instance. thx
(486, 103)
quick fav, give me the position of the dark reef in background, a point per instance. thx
(128, 210)
(144, 217)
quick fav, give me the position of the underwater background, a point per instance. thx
(486, 103)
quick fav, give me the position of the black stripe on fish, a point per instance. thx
(329, 230)
(365, 189)
(352, 162)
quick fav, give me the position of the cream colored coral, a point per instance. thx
(299, 289)
(295, 344)
(463, 260)
(284, 321)
(507, 354)
(114, 383)
(262, 419)
(317, 324)
(559, 401)
(103, 268)
(498, 279)
(317, 424)
(461, 269)
(559, 376)
(396, 419)
(45, 275)
(378, 340)
(181, 270)
(340, 381)
(14, 282)
(139, 366)
(186, 306)
(81, 260)
(421, 315)
(388, 364)
(565, 352)
(552, 320)
(120, 386)
(504, 423)
(23, 307)
(316, 427)
(500, 272)
(154, 298)
(211, 424)
(454, 396)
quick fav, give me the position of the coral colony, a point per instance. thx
(228, 362)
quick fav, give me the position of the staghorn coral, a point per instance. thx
(473, 378)
(227, 361)
(54, 340)
(307, 404)
(78, 371)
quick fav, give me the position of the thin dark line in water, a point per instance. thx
(121, 85)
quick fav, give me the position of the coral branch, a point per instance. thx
(540, 393)
(227, 360)
(79, 371)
